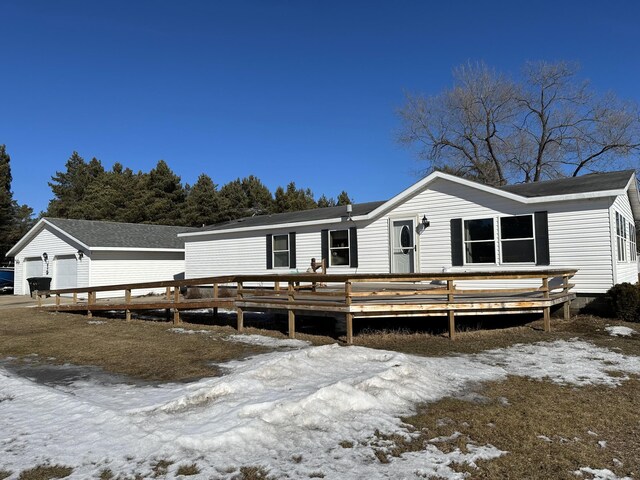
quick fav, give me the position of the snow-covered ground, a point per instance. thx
(288, 411)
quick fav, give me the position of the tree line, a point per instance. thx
(15, 219)
(86, 190)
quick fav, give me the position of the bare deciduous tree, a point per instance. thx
(495, 130)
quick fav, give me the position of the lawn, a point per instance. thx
(202, 402)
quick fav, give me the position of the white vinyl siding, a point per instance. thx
(114, 268)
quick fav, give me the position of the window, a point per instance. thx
(516, 239)
(281, 251)
(479, 244)
(621, 236)
(338, 247)
(633, 243)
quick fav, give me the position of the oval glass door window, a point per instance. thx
(405, 239)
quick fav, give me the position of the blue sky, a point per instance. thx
(302, 91)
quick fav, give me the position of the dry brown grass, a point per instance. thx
(45, 472)
(188, 470)
(142, 349)
(473, 341)
(548, 430)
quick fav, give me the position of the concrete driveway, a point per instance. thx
(17, 301)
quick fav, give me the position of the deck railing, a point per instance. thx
(349, 296)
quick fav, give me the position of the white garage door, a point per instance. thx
(66, 274)
(32, 267)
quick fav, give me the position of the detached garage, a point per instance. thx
(81, 253)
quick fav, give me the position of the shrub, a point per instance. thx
(625, 300)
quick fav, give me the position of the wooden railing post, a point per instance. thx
(450, 311)
(239, 312)
(176, 301)
(216, 294)
(349, 315)
(39, 297)
(91, 299)
(566, 307)
(291, 313)
(167, 293)
(546, 309)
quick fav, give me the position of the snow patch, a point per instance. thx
(600, 474)
(620, 331)
(265, 341)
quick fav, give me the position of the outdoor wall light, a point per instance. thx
(425, 221)
(45, 257)
(80, 254)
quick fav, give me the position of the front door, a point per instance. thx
(403, 247)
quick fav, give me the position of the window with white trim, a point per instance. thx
(621, 236)
(479, 242)
(516, 237)
(633, 243)
(517, 240)
(339, 248)
(280, 251)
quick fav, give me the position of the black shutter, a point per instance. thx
(269, 252)
(292, 249)
(456, 242)
(324, 246)
(353, 247)
(542, 238)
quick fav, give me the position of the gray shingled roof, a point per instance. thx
(294, 217)
(592, 182)
(95, 233)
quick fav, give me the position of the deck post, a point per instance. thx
(127, 315)
(91, 299)
(546, 311)
(349, 315)
(176, 317)
(450, 313)
(452, 324)
(127, 295)
(566, 307)
(57, 299)
(239, 312)
(216, 294)
(75, 298)
(167, 293)
(39, 297)
(240, 315)
(291, 313)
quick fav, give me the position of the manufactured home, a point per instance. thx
(443, 223)
(82, 253)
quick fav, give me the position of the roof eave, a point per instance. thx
(134, 249)
(40, 224)
(273, 226)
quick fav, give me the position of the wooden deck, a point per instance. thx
(340, 296)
